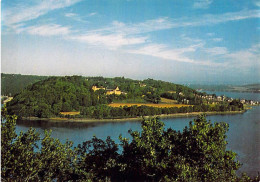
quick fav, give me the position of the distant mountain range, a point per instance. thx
(228, 88)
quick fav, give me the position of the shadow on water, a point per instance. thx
(51, 124)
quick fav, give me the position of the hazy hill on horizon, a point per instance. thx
(227, 87)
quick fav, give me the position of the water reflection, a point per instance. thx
(49, 125)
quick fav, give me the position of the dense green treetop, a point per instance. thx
(53, 95)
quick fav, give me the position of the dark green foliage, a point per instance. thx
(12, 84)
(49, 97)
(153, 97)
(22, 160)
(100, 158)
(236, 104)
(197, 154)
(104, 111)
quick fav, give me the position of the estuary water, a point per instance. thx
(243, 136)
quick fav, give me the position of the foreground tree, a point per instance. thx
(23, 160)
(197, 154)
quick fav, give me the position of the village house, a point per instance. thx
(95, 88)
(142, 84)
(181, 94)
(109, 91)
(113, 91)
(219, 98)
(243, 101)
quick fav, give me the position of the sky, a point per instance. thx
(191, 41)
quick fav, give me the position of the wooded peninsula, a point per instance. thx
(107, 98)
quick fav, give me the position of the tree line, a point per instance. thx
(198, 153)
(106, 112)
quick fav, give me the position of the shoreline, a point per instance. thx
(139, 118)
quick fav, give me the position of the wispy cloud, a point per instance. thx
(216, 50)
(165, 23)
(257, 3)
(110, 41)
(75, 17)
(210, 34)
(202, 4)
(212, 19)
(217, 39)
(22, 13)
(92, 14)
(70, 15)
(137, 28)
(120, 34)
(48, 30)
(44, 30)
(131, 37)
(191, 40)
(162, 51)
(247, 58)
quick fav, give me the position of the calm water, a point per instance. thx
(243, 136)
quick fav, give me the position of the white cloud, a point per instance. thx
(216, 50)
(48, 30)
(165, 23)
(217, 39)
(110, 41)
(191, 40)
(257, 3)
(119, 34)
(247, 58)
(22, 13)
(162, 51)
(92, 14)
(75, 17)
(137, 28)
(202, 4)
(210, 34)
(70, 14)
(211, 19)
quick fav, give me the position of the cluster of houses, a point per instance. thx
(214, 99)
(109, 91)
(249, 102)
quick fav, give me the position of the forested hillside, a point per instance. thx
(55, 95)
(12, 84)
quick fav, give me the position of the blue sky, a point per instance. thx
(212, 41)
